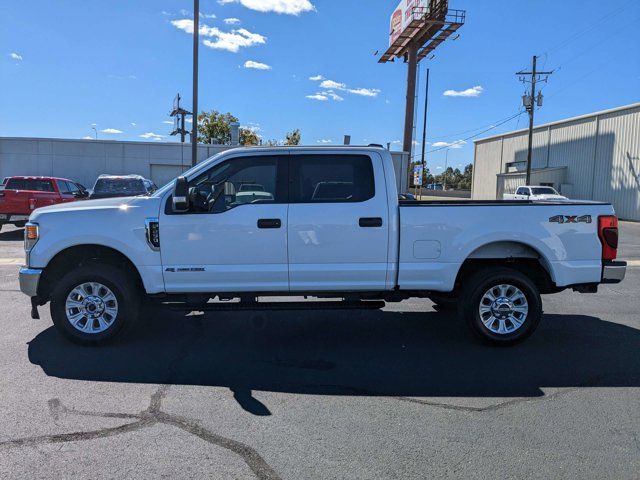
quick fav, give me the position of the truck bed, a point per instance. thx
(435, 239)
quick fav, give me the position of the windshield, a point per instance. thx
(126, 186)
(543, 191)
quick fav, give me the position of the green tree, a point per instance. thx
(249, 137)
(214, 127)
(293, 138)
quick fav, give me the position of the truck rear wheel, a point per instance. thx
(93, 303)
(502, 306)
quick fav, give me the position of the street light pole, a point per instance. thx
(196, 41)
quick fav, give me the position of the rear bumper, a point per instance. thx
(613, 271)
(29, 281)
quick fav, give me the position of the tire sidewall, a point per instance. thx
(111, 277)
(480, 284)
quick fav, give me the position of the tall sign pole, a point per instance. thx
(196, 41)
(424, 129)
(412, 64)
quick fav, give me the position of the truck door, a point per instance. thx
(234, 236)
(338, 222)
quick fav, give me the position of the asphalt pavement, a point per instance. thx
(404, 392)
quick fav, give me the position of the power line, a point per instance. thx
(479, 133)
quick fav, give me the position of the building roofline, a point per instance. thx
(559, 122)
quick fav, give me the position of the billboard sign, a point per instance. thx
(403, 15)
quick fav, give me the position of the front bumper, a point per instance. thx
(29, 280)
(613, 271)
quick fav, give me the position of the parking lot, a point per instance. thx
(404, 392)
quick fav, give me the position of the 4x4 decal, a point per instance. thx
(571, 219)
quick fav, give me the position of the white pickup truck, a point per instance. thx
(316, 222)
(534, 193)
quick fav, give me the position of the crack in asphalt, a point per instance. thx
(153, 415)
(498, 406)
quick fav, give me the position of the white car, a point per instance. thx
(534, 193)
(328, 224)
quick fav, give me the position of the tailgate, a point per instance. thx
(14, 202)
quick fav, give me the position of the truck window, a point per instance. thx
(331, 178)
(225, 186)
(544, 191)
(522, 191)
(63, 187)
(33, 184)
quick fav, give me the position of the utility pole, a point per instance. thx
(530, 102)
(424, 130)
(196, 41)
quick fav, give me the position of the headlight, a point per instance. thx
(31, 236)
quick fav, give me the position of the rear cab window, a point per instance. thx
(31, 184)
(331, 178)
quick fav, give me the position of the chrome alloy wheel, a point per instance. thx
(503, 309)
(91, 307)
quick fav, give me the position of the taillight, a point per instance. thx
(32, 203)
(608, 234)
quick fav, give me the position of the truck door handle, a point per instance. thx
(269, 223)
(370, 222)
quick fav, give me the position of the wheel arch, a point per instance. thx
(77, 255)
(516, 255)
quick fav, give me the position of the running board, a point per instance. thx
(257, 306)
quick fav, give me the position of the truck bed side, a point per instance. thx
(436, 238)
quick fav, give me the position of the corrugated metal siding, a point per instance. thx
(601, 153)
(573, 145)
(617, 173)
(484, 173)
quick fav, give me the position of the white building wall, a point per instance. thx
(84, 160)
(601, 153)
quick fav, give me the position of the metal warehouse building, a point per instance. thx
(591, 157)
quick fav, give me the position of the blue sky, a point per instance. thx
(66, 65)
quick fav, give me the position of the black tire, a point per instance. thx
(479, 284)
(121, 285)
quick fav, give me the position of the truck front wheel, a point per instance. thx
(93, 303)
(502, 306)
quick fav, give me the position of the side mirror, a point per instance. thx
(181, 195)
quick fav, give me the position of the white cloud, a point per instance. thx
(15, 56)
(111, 130)
(396, 142)
(232, 21)
(256, 65)
(151, 136)
(88, 137)
(288, 7)
(318, 96)
(208, 15)
(364, 92)
(332, 84)
(325, 140)
(168, 122)
(188, 120)
(231, 41)
(456, 144)
(439, 168)
(333, 95)
(469, 92)
(133, 124)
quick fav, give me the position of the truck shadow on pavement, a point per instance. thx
(12, 235)
(374, 353)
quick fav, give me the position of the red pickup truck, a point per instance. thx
(22, 195)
